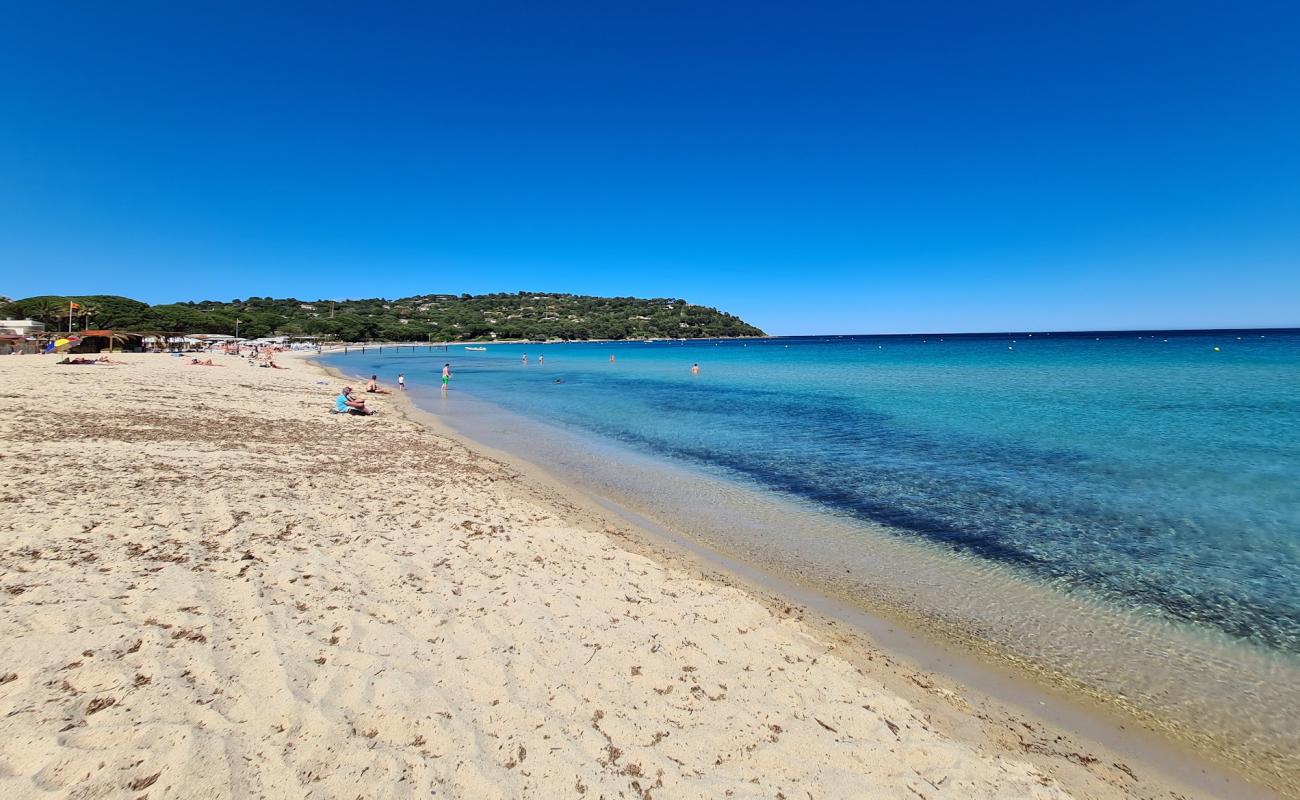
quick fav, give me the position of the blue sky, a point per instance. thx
(812, 167)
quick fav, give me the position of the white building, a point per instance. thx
(21, 327)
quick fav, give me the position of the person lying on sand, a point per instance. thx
(77, 360)
(372, 386)
(107, 360)
(207, 362)
(345, 403)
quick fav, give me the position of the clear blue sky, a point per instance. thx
(813, 168)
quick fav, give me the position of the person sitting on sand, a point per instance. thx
(372, 386)
(345, 403)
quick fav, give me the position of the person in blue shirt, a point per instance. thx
(345, 403)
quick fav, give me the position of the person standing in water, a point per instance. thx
(541, 360)
(524, 359)
(611, 358)
(401, 382)
(695, 369)
(446, 376)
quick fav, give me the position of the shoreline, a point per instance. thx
(213, 587)
(1008, 686)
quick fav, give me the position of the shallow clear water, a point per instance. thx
(1154, 469)
(1147, 475)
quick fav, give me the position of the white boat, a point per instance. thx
(476, 348)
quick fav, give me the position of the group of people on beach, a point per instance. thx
(346, 403)
(264, 356)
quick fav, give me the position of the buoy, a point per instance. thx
(1216, 349)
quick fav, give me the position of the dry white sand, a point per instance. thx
(214, 588)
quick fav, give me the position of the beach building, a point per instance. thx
(20, 336)
(21, 327)
(96, 341)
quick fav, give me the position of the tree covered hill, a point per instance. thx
(437, 317)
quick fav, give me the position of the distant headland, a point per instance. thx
(429, 317)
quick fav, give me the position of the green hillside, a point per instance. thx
(437, 317)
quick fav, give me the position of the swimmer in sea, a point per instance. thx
(695, 369)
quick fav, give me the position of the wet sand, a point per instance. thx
(213, 587)
(1160, 690)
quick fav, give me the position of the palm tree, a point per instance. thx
(47, 310)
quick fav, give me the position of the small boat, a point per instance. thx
(480, 349)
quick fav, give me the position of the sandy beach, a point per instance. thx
(212, 587)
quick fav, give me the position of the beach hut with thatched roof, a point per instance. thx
(97, 340)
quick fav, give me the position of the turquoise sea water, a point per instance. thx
(1148, 467)
(1149, 473)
